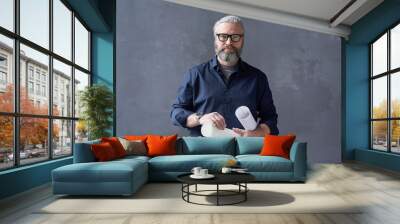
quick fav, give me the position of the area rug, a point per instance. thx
(167, 198)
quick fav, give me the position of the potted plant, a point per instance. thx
(96, 102)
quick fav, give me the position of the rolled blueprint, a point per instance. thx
(246, 118)
(210, 130)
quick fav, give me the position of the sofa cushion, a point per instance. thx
(257, 163)
(83, 152)
(134, 147)
(116, 145)
(103, 151)
(185, 163)
(207, 145)
(249, 145)
(277, 145)
(159, 145)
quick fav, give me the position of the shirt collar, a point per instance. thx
(214, 63)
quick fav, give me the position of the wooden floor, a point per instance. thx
(378, 188)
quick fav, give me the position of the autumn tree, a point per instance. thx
(380, 127)
(33, 131)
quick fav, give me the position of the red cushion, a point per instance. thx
(103, 151)
(116, 145)
(161, 145)
(277, 145)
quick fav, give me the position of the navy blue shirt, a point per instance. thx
(203, 91)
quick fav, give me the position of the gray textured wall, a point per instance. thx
(158, 41)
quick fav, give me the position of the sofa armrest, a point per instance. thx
(298, 155)
(83, 152)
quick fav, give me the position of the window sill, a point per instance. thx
(26, 167)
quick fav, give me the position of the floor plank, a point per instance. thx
(376, 189)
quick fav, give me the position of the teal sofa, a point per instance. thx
(125, 176)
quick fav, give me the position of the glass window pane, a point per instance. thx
(379, 135)
(6, 142)
(6, 74)
(33, 139)
(62, 138)
(7, 14)
(379, 55)
(379, 100)
(395, 95)
(62, 29)
(35, 21)
(395, 47)
(81, 45)
(81, 81)
(62, 89)
(81, 131)
(395, 136)
(34, 80)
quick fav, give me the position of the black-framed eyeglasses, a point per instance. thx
(224, 37)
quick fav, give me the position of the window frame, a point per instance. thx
(388, 74)
(16, 114)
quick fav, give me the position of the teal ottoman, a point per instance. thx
(118, 177)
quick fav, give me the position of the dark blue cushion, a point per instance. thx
(249, 145)
(206, 145)
(83, 153)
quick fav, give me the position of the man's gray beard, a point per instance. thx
(231, 58)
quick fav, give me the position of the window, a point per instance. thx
(6, 73)
(38, 74)
(3, 72)
(385, 91)
(30, 87)
(30, 72)
(44, 131)
(3, 61)
(7, 14)
(62, 29)
(44, 91)
(43, 77)
(35, 21)
(81, 45)
(3, 78)
(38, 89)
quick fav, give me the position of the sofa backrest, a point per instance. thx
(83, 152)
(206, 145)
(249, 145)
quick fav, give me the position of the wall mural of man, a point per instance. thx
(212, 91)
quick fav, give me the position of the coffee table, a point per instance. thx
(238, 179)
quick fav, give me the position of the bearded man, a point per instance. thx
(212, 91)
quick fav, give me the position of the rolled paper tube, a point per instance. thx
(210, 130)
(245, 117)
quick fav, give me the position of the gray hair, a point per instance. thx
(229, 19)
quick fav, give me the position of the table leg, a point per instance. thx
(217, 194)
(196, 188)
(245, 193)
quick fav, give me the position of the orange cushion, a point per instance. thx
(116, 145)
(161, 145)
(277, 145)
(103, 151)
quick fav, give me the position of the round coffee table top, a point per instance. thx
(220, 178)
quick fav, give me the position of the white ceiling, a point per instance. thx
(315, 15)
(319, 9)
